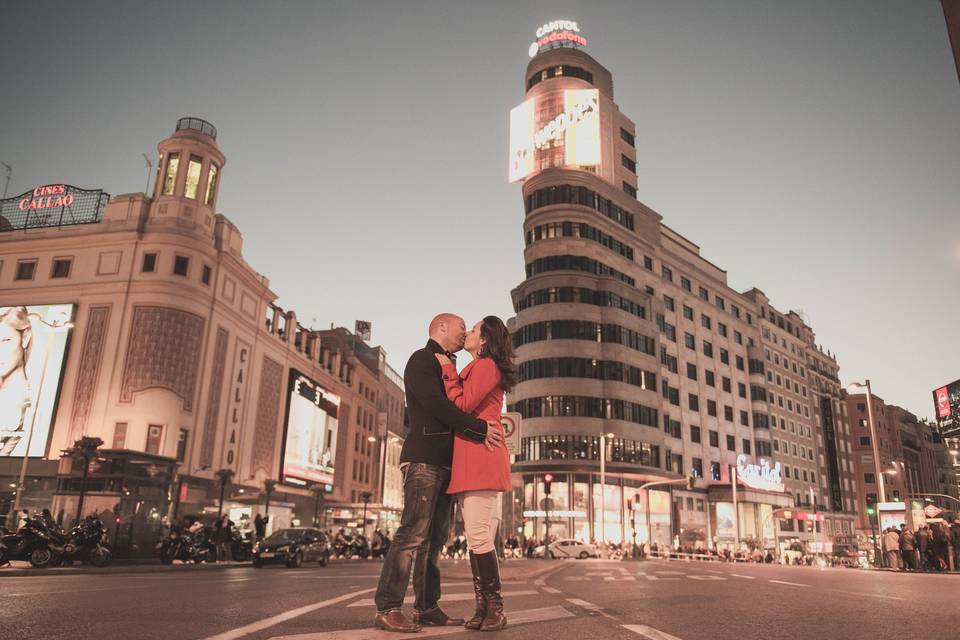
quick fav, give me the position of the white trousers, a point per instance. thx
(481, 517)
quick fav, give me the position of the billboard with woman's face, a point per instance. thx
(33, 347)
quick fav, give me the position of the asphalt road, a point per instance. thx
(544, 599)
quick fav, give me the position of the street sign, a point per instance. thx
(932, 511)
(511, 431)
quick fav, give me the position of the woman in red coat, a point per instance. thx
(480, 474)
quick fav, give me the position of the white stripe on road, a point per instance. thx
(452, 597)
(369, 633)
(649, 632)
(253, 627)
(550, 590)
(706, 578)
(737, 575)
(792, 584)
(583, 603)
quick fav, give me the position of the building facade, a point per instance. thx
(178, 357)
(639, 362)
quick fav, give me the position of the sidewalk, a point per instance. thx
(131, 565)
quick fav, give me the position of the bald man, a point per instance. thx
(425, 460)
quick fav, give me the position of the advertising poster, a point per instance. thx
(726, 527)
(310, 446)
(582, 135)
(28, 391)
(521, 140)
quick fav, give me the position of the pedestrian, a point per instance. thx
(260, 527)
(891, 548)
(907, 548)
(426, 461)
(940, 545)
(223, 536)
(923, 542)
(955, 541)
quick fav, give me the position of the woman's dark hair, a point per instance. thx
(499, 349)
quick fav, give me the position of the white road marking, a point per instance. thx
(369, 633)
(658, 578)
(872, 595)
(706, 578)
(598, 573)
(541, 580)
(450, 597)
(576, 578)
(260, 625)
(649, 632)
(737, 575)
(792, 584)
(583, 603)
(671, 573)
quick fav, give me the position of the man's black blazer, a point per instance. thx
(432, 419)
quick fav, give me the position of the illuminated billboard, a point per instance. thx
(33, 348)
(557, 129)
(310, 442)
(946, 401)
(52, 205)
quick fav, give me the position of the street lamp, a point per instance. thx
(268, 486)
(318, 496)
(365, 496)
(224, 476)
(603, 486)
(56, 326)
(881, 492)
(84, 449)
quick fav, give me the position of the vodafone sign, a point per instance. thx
(558, 33)
(943, 402)
(946, 401)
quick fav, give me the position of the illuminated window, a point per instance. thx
(170, 179)
(154, 437)
(211, 184)
(193, 177)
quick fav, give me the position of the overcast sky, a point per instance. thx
(812, 149)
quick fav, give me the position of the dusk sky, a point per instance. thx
(811, 149)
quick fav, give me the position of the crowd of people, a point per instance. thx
(926, 549)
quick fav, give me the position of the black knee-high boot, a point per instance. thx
(481, 611)
(494, 620)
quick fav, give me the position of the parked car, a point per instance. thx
(292, 547)
(567, 548)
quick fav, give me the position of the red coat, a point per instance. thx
(476, 391)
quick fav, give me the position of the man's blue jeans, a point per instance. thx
(424, 527)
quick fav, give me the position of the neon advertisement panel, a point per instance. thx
(28, 391)
(52, 205)
(310, 439)
(557, 129)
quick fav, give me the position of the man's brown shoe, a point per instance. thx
(394, 620)
(436, 618)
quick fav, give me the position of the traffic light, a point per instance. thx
(547, 481)
(630, 504)
(870, 508)
(896, 495)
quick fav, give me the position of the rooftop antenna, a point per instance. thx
(9, 173)
(146, 190)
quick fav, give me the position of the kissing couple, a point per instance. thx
(454, 450)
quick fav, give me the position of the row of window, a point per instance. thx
(719, 302)
(578, 230)
(27, 269)
(582, 296)
(569, 194)
(576, 263)
(710, 379)
(558, 71)
(588, 448)
(587, 368)
(586, 407)
(582, 330)
(181, 266)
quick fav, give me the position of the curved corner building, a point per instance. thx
(639, 362)
(585, 329)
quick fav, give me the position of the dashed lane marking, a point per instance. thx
(649, 632)
(266, 623)
(659, 578)
(792, 584)
(706, 578)
(737, 575)
(671, 573)
(544, 614)
(584, 604)
(450, 597)
(577, 578)
(550, 590)
(620, 579)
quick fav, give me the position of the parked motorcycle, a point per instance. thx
(241, 547)
(188, 545)
(33, 542)
(359, 546)
(88, 541)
